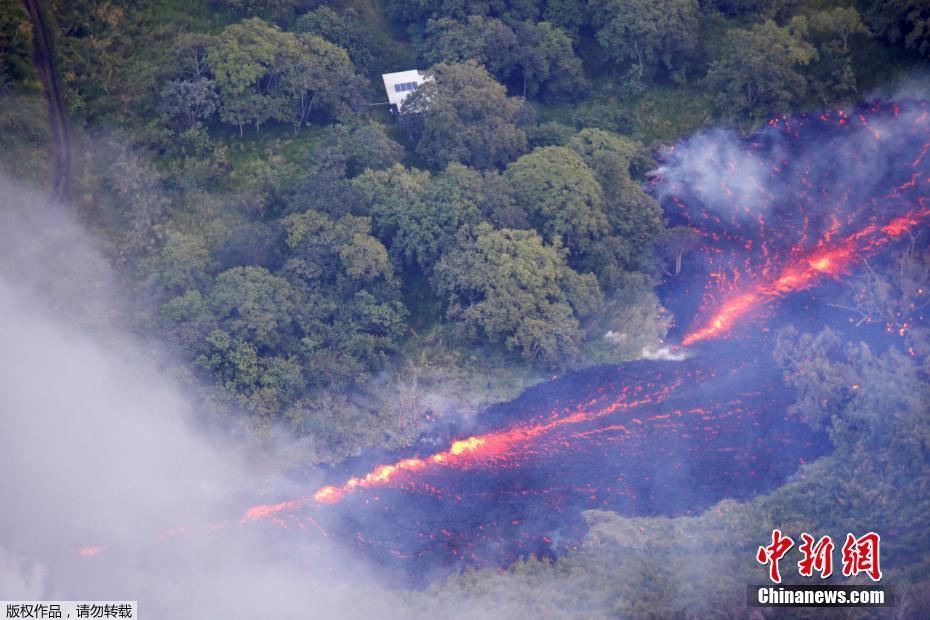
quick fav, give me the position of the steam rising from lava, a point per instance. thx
(810, 197)
(776, 217)
(807, 200)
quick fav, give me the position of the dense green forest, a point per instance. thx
(315, 261)
(298, 240)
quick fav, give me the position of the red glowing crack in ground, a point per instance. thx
(749, 288)
(831, 259)
(483, 447)
(805, 266)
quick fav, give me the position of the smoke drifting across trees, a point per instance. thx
(99, 451)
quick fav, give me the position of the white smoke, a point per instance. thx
(669, 354)
(738, 178)
(97, 449)
(717, 170)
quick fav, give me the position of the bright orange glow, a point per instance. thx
(900, 225)
(821, 264)
(724, 319)
(802, 274)
(328, 495)
(480, 448)
(267, 510)
(466, 445)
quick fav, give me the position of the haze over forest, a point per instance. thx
(232, 276)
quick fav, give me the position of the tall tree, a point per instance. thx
(462, 115)
(758, 73)
(537, 58)
(508, 286)
(646, 33)
(245, 62)
(346, 29)
(263, 73)
(634, 218)
(316, 75)
(561, 195)
(832, 31)
(189, 101)
(418, 215)
(254, 305)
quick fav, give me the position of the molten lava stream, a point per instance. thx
(714, 434)
(830, 259)
(465, 453)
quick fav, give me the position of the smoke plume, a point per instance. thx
(107, 491)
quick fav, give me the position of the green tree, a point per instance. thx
(832, 75)
(368, 146)
(188, 56)
(488, 41)
(646, 33)
(463, 115)
(245, 62)
(346, 29)
(869, 403)
(364, 258)
(675, 243)
(547, 62)
(253, 305)
(263, 73)
(842, 22)
(418, 215)
(263, 385)
(561, 195)
(316, 75)
(569, 15)
(508, 286)
(907, 21)
(758, 73)
(634, 218)
(536, 56)
(350, 316)
(183, 262)
(189, 101)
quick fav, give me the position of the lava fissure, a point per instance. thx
(781, 217)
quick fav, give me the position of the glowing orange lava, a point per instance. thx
(477, 448)
(802, 274)
(267, 510)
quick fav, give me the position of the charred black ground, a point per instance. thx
(780, 219)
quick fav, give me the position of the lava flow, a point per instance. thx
(809, 198)
(831, 260)
(784, 214)
(493, 446)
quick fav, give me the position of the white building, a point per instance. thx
(399, 85)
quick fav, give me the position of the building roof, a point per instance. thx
(400, 84)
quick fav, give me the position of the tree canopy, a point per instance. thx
(561, 195)
(759, 72)
(647, 34)
(510, 287)
(537, 57)
(463, 115)
(264, 73)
